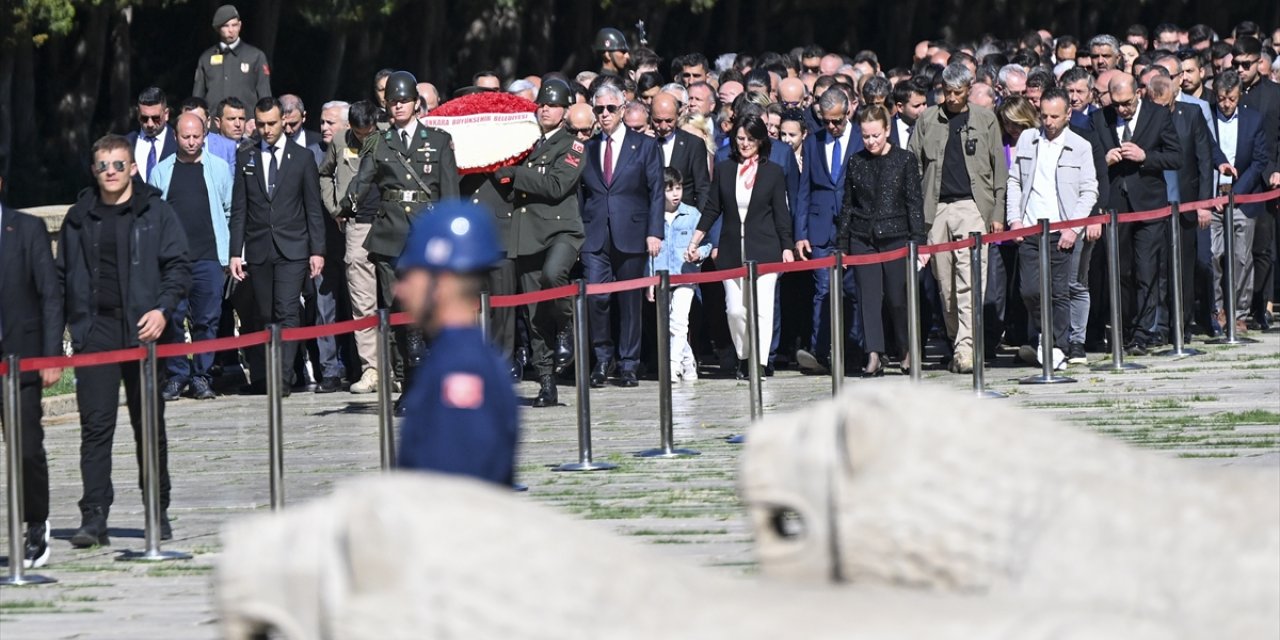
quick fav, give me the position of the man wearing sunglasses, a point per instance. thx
(123, 268)
(154, 140)
(1261, 95)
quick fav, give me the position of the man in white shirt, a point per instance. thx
(1052, 178)
(154, 140)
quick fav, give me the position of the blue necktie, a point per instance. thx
(836, 159)
(151, 156)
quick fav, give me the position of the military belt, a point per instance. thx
(406, 196)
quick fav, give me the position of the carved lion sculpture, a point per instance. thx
(926, 488)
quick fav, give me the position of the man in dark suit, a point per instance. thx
(277, 224)
(909, 102)
(295, 121)
(681, 150)
(154, 140)
(1242, 154)
(621, 204)
(826, 153)
(30, 327)
(1140, 143)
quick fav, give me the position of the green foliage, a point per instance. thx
(41, 18)
(341, 13)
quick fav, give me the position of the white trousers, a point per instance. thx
(765, 288)
(681, 352)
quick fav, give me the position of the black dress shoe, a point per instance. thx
(522, 357)
(397, 409)
(564, 350)
(628, 379)
(768, 370)
(600, 374)
(166, 529)
(741, 372)
(329, 385)
(254, 389)
(201, 390)
(517, 372)
(93, 529)
(172, 390)
(547, 394)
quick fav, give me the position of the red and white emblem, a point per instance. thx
(462, 391)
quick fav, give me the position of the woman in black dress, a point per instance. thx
(883, 210)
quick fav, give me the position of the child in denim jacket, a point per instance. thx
(681, 222)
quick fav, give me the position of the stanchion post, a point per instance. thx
(1046, 315)
(151, 465)
(275, 414)
(666, 424)
(836, 300)
(750, 300)
(1230, 335)
(1118, 364)
(582, 366)
(486, 311)
(386, 412)
(13, 467)
(979, 336)
(913, 310)
(1179, 349)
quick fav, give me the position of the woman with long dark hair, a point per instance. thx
(752, 192)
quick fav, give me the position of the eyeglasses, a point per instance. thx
(1243, 64)
(663, 120)
(103, 165)
(601, 108)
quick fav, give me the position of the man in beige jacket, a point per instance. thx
(962, 162)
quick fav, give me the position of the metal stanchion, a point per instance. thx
(1046, 316)
(836, 300)
(386, 412)
(1230, 335)
(979, 339)
(1117, 364)
(151, 466)
(666, 427)
(1179, 350)
(486, 308)
(275, 414)
(913, 311)
(751, 301)
(582, 367)
(13, 440)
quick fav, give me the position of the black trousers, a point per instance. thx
(612, 265)
(1264, 262)
(1187, 252)
(1059, 281)
(1142, 254)
(35, 465)
(277, 291)
(503, 281)
(881, 287)
(98, 394)
(547, 269)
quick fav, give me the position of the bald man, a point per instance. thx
(1140, 142)
(581, 121)
(729, 91)
(198, 186)
(1103, 85)
(681, 151)
(982, 95)
(429, 95)
(793, 94)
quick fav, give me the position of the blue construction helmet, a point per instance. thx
(454, 236)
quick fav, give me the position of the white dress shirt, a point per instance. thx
(142, 147)
(1228, 136)
(1043, 202)
(411, 129)
(266, 152)
(668, 147)
(830, 148)
(904, 132)
(1133, 123)
(618, 135)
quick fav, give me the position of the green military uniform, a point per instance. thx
(240, 71)
(410, 180)
(484, 189)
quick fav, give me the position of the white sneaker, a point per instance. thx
(368, 382)
(1059, 360)
(689, 370)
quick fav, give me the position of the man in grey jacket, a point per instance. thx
(1052, 178)
(962, 163)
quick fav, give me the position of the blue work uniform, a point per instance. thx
(460, 413)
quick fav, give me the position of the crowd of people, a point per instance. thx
(234, 214)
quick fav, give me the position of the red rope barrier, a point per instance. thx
(398, 319)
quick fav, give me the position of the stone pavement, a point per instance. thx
(1219, 408)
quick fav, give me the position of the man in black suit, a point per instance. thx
(154, 140)
(1140, 143)
(30, 327)
(621, 204)
(277, 223)
(295, 121)
(681, 150)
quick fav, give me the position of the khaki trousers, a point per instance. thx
(362, 282)
(955, 221)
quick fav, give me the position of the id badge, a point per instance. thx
(215, 59)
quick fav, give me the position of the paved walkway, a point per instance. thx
(1219, 408)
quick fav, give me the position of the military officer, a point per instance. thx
(231, 68)
(484, 189)
(546, 233)
(413, 167)
(612, 50)
(461, 413)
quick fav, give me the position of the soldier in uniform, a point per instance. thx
(612, 50)
(413, 167)
(231, 68)
(545, 232)
(461, 413)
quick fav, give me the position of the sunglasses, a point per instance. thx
(663, 120)
(686, 74)
(151, 118)
(792, 105)
(103, 165)
(1243, 64)
(601, 108)
(576, 131)
(832, 123)
(809, 69)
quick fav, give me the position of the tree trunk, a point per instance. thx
(335, 55)
(266, 26)
(121, 89)
(73, 121)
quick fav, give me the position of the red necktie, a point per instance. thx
(608, 160)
